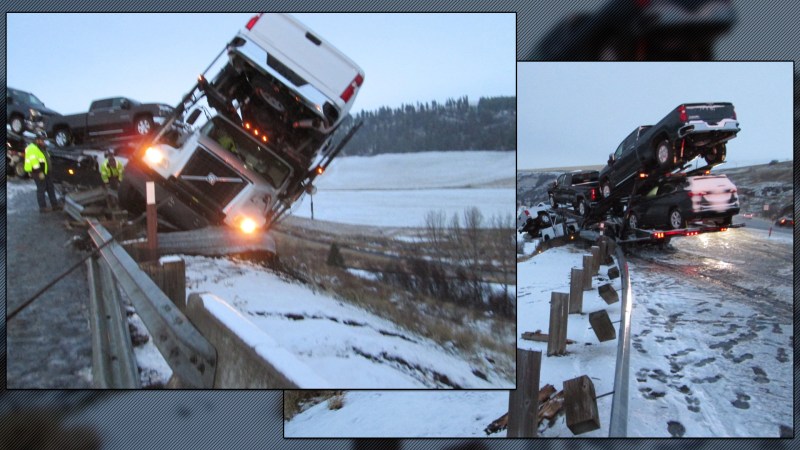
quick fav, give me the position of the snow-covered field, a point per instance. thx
(400, 189)
(344, 345)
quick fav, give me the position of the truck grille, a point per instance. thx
(209, 178)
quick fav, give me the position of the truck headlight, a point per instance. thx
(154, 156)
(247, 225)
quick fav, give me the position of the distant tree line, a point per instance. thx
(491, 124)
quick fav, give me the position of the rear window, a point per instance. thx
(710, 183)
(584, 177)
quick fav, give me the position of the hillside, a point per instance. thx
(454, 125)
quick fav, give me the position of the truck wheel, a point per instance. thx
(19, 169)
(553, 201)
(605, 189)
(581, 207)
(664, 154)
(675, 219)
(63, 137)
(17, 124)
(633, 221)
(715, 154)
(144, 124)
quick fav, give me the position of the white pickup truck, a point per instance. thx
(271, 110)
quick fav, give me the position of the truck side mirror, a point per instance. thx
(193, 117)
(125, 104)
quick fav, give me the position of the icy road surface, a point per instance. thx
(346, 346)
(712, 336)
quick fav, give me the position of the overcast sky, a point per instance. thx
(68, 60)
(574, 114)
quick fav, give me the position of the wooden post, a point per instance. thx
(576, 291)
(602, 326)
(595, 259)
(587, 272)
(523, 402)
(603, 246)
(580, 405)
(608, 293)
(557, 336)
(612, 246)
(170, 277)
(613, 272)
(152, 221)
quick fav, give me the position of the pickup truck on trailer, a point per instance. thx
(578, 188)
(271, 109)
(688, 131)
(109, 118)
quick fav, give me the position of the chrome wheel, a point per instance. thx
(62, 138)
(16, 124)
(143, 126)
(662, 154)
(675, 219)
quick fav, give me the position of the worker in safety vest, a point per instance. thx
(111, 171)
(37, 165)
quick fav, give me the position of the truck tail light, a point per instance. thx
(593, 194)
(252, 22)
(351, 88)
(682, 113)
(734, 113)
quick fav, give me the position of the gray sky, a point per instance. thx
(573, 114)
(68, 60)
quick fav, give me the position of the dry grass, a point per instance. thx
(446, 323)
(295, 402)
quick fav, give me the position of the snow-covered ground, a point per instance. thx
(400, 189)
(344, 345)
(466, 414)
(705, 361)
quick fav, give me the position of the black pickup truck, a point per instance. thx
(109, 118)
(688, 131)
(578, 188)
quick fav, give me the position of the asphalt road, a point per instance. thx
(49, 342)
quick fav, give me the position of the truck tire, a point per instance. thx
(63, 137)
(581, 207)
(19, 169)
(605, 189)
(143, 125)
(664, 154)
(633, 221)
(715, 154)
(17, 124)
(675, 219)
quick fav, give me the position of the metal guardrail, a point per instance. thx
(618, 424)
(190, 355)
(113, 361)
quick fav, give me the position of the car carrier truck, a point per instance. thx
(271, 102)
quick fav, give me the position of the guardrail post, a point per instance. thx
(587, 272)
(523, 402)
(576, 291)
(595, 259)
(170, 276)
(580, 405)
(603, 245)
(152, 221)
(557, 336)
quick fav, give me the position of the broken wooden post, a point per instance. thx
(608, 293)
(602, 326)
(576, 291)
(523, 402)
(559, 309)
(580, 405)
(612, 246)
(613, 272)
(169, 274)
(587, 272)
(595, 259)
(603, 253)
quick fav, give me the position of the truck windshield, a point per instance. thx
(256, 157)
